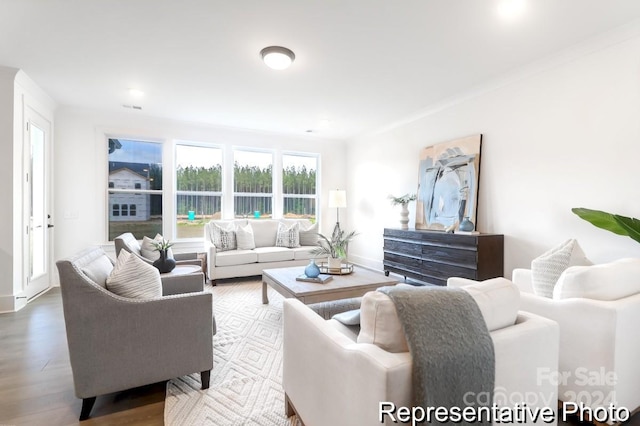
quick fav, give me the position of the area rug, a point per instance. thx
(246, 380)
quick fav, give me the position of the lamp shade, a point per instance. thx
(337, 199)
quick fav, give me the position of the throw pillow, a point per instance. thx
(224, 238)
(132, 277)
(148, 250)
(547, 268)
(244, 238)
(288, 236)
(309, 236)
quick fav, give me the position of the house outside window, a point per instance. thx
(252, 183)
(135, 169)
(299, 183)
(198, 188)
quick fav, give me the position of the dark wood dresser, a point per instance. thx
(432, 257)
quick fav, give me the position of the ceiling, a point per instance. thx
(360, 64)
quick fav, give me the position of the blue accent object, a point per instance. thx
(466, 225)
(256, 214)
(312, 270)
(191, 215)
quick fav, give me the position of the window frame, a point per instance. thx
(315, 196)
(271, 195)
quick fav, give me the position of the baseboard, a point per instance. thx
(10, 303)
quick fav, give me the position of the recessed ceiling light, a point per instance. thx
(136, 93)
(277, 57)
(510, 9)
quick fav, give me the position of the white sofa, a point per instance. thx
(265, 255)
(598, 310)
(331, 378)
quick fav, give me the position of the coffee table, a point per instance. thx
(355, 284)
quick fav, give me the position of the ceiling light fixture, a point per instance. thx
(136, 93)
(277, 57)
(510, 9)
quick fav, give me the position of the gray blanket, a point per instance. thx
(450, 345)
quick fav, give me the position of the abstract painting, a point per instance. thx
(448, 183)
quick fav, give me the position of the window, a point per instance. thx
(198, 188)
(135, 169)
(299, 182)
(252, 183)
(132, 210)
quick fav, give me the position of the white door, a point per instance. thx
(37, 204)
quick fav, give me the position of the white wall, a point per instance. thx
(566, 136)
(81, 165)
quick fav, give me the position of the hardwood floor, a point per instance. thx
(36, 386)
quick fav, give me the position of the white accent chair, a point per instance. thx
(331, 378)
(598, 310)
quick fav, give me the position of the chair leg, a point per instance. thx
(87, 405)
(204, 378)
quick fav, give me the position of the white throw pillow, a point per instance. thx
(224, 238)
(547, 268)
(607, 281)
(132, 277)
(148, 250)
(244, 238)
(288, 236)
(309, 236)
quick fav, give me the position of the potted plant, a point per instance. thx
(404, 213)
(621, 225)
(165, 263)
(335, 248)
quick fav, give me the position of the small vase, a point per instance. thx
(404, 216)
(466, 225)
(312, 270)
(164, 263)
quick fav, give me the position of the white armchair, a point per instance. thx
(598, 310)
(331, 377)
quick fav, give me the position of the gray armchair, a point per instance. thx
(116, 343)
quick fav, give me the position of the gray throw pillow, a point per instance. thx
(224, 238)
(309, 236)
(348, 317)
(288, 236)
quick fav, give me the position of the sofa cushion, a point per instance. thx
(273, 254)
(309, 235)
(379, 323)
(99, 270)
(264, 232)
(132, 277)
(547, 268)
(288, 235)
(498, 300)
(148, 249)
(236, 257)
(244, 237)
(224, 237)
(303, 253)
(607, 281)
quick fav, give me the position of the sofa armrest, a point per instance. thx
(210, 250)
(522, 278)
(117, 343)
(351, 378)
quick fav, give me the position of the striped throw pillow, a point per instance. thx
(133, 278)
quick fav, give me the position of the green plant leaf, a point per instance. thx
(601, 219)
(630, 225)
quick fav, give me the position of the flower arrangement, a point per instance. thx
(163, 245)
(404, 199)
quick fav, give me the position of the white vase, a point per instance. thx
(334, 263)
(404, 216)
